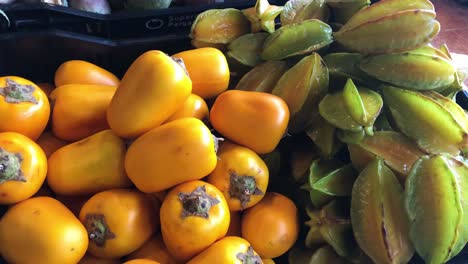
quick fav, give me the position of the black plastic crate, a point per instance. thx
(41, 36)
(119, 25)
(36, 55)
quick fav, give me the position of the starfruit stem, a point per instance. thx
(267, 13)
(444, 48)
(305, 186)
(369, 130)
(261, 6)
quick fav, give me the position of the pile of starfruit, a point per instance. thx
(376, 143)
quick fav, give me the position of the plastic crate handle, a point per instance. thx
(6, 17)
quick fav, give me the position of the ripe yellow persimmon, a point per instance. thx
(23, 167)
(173, 153)
(152, 89)
(193, 216)
(42, 230)
(24, 107)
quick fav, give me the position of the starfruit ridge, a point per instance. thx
(343, 10)
(262, 16)
(351, 110)
(378, 217)
(380, 35)
(299, 10)
(386, 7)
(219, 26)
(302, 87)
(435, 202)
(246, 48)
(395, 149)
(328, 179)
(332, 225)
(297, 39)
(413, 70)
(263, 77)
(428, 122)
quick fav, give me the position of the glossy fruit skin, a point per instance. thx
(83, 72)
(42, 230)
(29, 119)
(187, 236)
(235, 161)
(194, 106)
(168, 155)
(223, 251)
(33, 167)
(90, 259)
(152, 89)
(253, 119)
(141, 261)
(92, 102)
(129, 215)
(88, 166)
(208, 69)
(271, 226)
(154, 249)
(50, 143)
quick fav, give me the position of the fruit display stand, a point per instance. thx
(36, 39)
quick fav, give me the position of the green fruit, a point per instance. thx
(219, 26)
(436, 202)
(295, 11)
(345, 9)
(397, 32)
(395, 149)
(410, 70)
(343, 66)
(332, 225)
(263, 77)
(384, 8)
(329, 179)
(351, 110)
(378, 215)
(297, 39)
(423, 117)
(324, 137)
(302, 87)
(246, 48)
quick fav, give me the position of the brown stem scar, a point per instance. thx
(181, 63)
(98, 230)
(197, 203)
(249, 257)
(10, 166)
(18, 93)
(242, 187)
